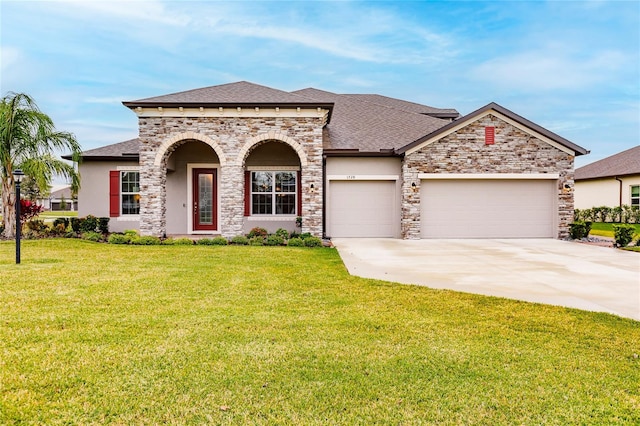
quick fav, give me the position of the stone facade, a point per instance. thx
(232, 139)
(465, 151)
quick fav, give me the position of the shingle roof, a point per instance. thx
(620, 164)
(363, 123)
(123, 151)
(407, 106)
(240, 93)
(370, 127)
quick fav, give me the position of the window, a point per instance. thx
(130, 192)
(635, 195)
(273, 193)
(124, 193)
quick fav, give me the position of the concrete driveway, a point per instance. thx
(534, 270)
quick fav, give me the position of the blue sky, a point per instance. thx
(572, 67)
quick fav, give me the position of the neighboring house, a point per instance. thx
(612, 182)
(225, 159)
(59, 199)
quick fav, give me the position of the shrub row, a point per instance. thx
(623, 233)
(256, 237)
(624, 214)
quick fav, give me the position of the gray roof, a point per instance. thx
(359, 124)
(240, 93)
(621, 164)
(407, 106)
(366, 124)
(122, 151)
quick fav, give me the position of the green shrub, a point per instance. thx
(131, 232)
(305, 235)
(313, 242)
(37, 226)
(295, 242)
(61, 221)
(257, 232)
(58, 229)
(178, 242)
(219, 241)
(75, 224)
(274, 240)
(578, 230)
(282, 233)
(92, 236)
(103, 225)
(623, 234)
(204, 242)
(89, 224)
(240, 240)
(146, 240)
(70, 234)
(256, 241)
(119, 239)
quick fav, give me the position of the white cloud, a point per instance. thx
(549, 70)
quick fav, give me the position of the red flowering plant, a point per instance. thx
(29, 210)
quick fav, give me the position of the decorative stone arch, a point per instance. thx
(271, 135)
(168, 143)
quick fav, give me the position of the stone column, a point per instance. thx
(231, 200)
(410, 223)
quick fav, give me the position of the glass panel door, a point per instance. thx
(204, 199)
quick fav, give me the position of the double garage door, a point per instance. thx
(488, 208)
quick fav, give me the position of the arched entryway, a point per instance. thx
(273, 186)
(192, 188)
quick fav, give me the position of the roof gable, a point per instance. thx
(506, 115)
(620, 164)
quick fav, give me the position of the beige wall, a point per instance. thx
(604, 192)
(93, 196)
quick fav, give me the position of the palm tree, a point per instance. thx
(29, 141)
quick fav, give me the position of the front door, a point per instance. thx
(204, 200)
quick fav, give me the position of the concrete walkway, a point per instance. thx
(535, 270)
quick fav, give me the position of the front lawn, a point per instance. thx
(605, 229)
(96, 333)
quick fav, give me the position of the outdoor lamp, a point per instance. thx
(17, 178)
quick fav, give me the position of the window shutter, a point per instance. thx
(247, 193)
(114, 193)
(299, 178)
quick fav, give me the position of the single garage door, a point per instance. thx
(361, 208)
(488, 208)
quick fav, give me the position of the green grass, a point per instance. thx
(605, 229)
(96, 334)
(59, 214)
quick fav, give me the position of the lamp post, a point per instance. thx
(17, 178)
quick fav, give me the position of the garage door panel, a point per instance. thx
(361, 208)
(488, 208)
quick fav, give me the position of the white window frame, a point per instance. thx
(273, 193)
(134, 193)
(632, 198)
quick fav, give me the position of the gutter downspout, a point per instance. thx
(324, 196)
(620, 180)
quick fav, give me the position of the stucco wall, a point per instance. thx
(464, 151)
(604, 192)
(93, 195)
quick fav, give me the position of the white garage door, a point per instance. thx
(488, 208)
(361, 209)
